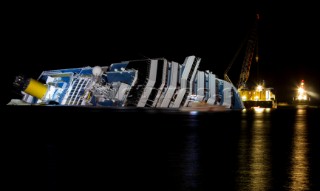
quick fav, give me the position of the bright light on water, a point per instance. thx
(193, 112)
(258, 109)
(299, 170)
(262, 149)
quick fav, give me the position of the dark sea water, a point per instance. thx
(269, 150)
(59, 148)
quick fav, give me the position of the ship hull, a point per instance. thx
(261, 104)
(301, 103)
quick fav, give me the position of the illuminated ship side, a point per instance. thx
(261, 96)
(139, 83)
(301, 97)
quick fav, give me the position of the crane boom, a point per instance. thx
(250, 49)
(260, 96)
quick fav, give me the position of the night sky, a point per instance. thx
(57, 37)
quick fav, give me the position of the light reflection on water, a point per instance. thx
(254, 155)
(191, 154)
(299, 170)
(192, 159)
(271, 151)
(260, 162)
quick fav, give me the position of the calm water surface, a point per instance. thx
(145, 149)
(251, 150)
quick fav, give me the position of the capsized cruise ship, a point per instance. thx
(156, 83)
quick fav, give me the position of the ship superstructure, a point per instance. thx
(139, 83)
(260, 96)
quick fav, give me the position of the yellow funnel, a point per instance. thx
(36, 89)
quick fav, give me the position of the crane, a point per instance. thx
(252, 45)
(259, 96)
